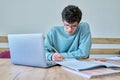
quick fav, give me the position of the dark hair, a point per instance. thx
(71, 14)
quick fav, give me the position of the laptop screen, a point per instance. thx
(27, 49)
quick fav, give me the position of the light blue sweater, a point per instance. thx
(77, 45)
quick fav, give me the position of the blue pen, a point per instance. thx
(118, 56)
(115, 59)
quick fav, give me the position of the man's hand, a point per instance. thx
(57, 57)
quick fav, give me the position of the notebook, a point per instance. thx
(80, 65)
(28, 49)
(94, 73)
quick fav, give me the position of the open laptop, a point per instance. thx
(28, 49)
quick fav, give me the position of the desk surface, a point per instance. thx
(9, 71)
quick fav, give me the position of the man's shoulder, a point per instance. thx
(83, 24)
(56, 28)
(83, 27)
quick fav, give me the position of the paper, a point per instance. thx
(94, 72)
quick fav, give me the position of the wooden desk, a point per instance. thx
(9, 71)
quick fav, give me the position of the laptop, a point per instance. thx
(28, 49)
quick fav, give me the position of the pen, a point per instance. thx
(54, 49)
(118, 56)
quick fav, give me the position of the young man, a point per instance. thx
(73, 40)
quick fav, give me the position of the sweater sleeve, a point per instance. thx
(84, 46)
(48, 42)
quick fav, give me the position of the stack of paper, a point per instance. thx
(93, 73)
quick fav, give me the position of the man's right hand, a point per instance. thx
(57, 57)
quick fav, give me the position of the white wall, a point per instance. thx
(33, 16)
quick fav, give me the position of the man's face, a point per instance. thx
(70, 28)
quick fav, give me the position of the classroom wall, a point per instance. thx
(34, 16)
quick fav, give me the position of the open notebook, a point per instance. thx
(80, 65)
(89, 69)
(94, 73)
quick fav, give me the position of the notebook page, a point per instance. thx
(80, 64)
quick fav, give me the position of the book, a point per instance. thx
(114, 59)
(80, 65)
(93, 73)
